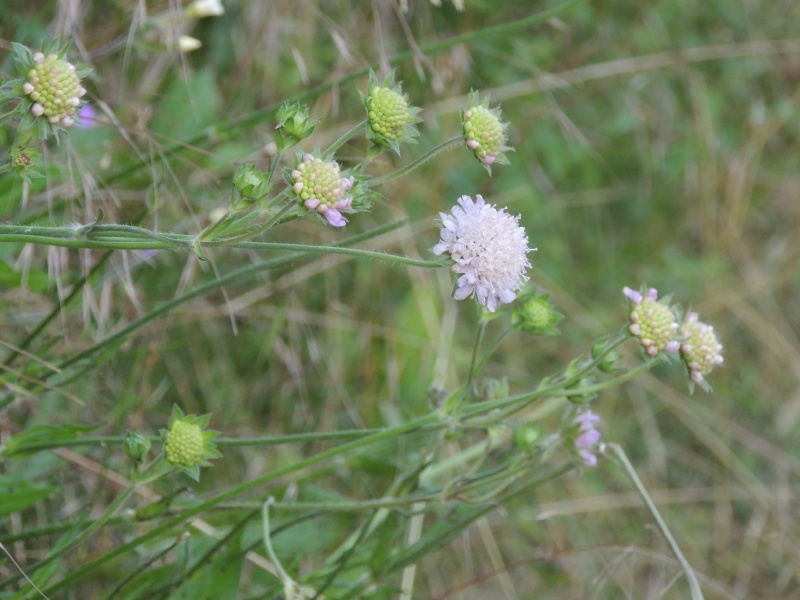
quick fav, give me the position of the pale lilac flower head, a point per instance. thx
(700, 348)
(587, 436)
(653, 322)
(489, 248)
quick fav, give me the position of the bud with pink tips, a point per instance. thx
(318, 184)
(653, 322)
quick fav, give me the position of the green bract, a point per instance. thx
(293, 125)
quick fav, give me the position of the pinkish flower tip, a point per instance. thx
(335, 218)
(632, 295)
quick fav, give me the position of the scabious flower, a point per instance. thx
(47, 94)
(318, 184)
(484, 132)
(391, 119)
(489, 249)
(54, 88)
(653, 322)
(585, 435)
(187, 443)
(700, 348)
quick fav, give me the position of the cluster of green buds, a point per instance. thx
(484, 132)
(534, 313)
(658, 329)
(187, 444)
(390, 118)
(319, 185)
(54, 88)
(48, 90)
(652, 321)
(700, 348)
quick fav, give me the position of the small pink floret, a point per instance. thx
(335, 218)
(632, 295)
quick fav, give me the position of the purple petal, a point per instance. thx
(632, 295)
(335, 218)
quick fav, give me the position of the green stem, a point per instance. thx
(240, 274)
(473, 359)
(432, 153)
(240, 489)
(106, 440)
(694, 584)
(132, 239)
(343, 138)
(94, 526)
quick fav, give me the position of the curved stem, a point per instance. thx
(343, 138)
(432, 153)
(240, 274)
(694, 584)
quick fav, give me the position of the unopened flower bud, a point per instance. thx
(700, 349)
(137, 445)
(54, 87)
(187, 443)
(484, 132)
(293, 126)
(389, 115)
(318, 184)
(535, 314)
(653, 322)
(252, 183)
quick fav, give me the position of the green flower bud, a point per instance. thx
(251, 182)
(391, 119)
(535, 314)
(47, 94)
(611, 358)
(527, 435)
(24, 161)
(137, 445)
(184, 444)
(581, 398)
(187, 445)
(55, 88)
(494, 389)
(319, 185)
(293, 125)
(700, 348)
(484, 132)
(652, 321)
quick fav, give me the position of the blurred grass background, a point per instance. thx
(655, 143)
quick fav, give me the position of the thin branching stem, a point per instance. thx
(432, 153)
